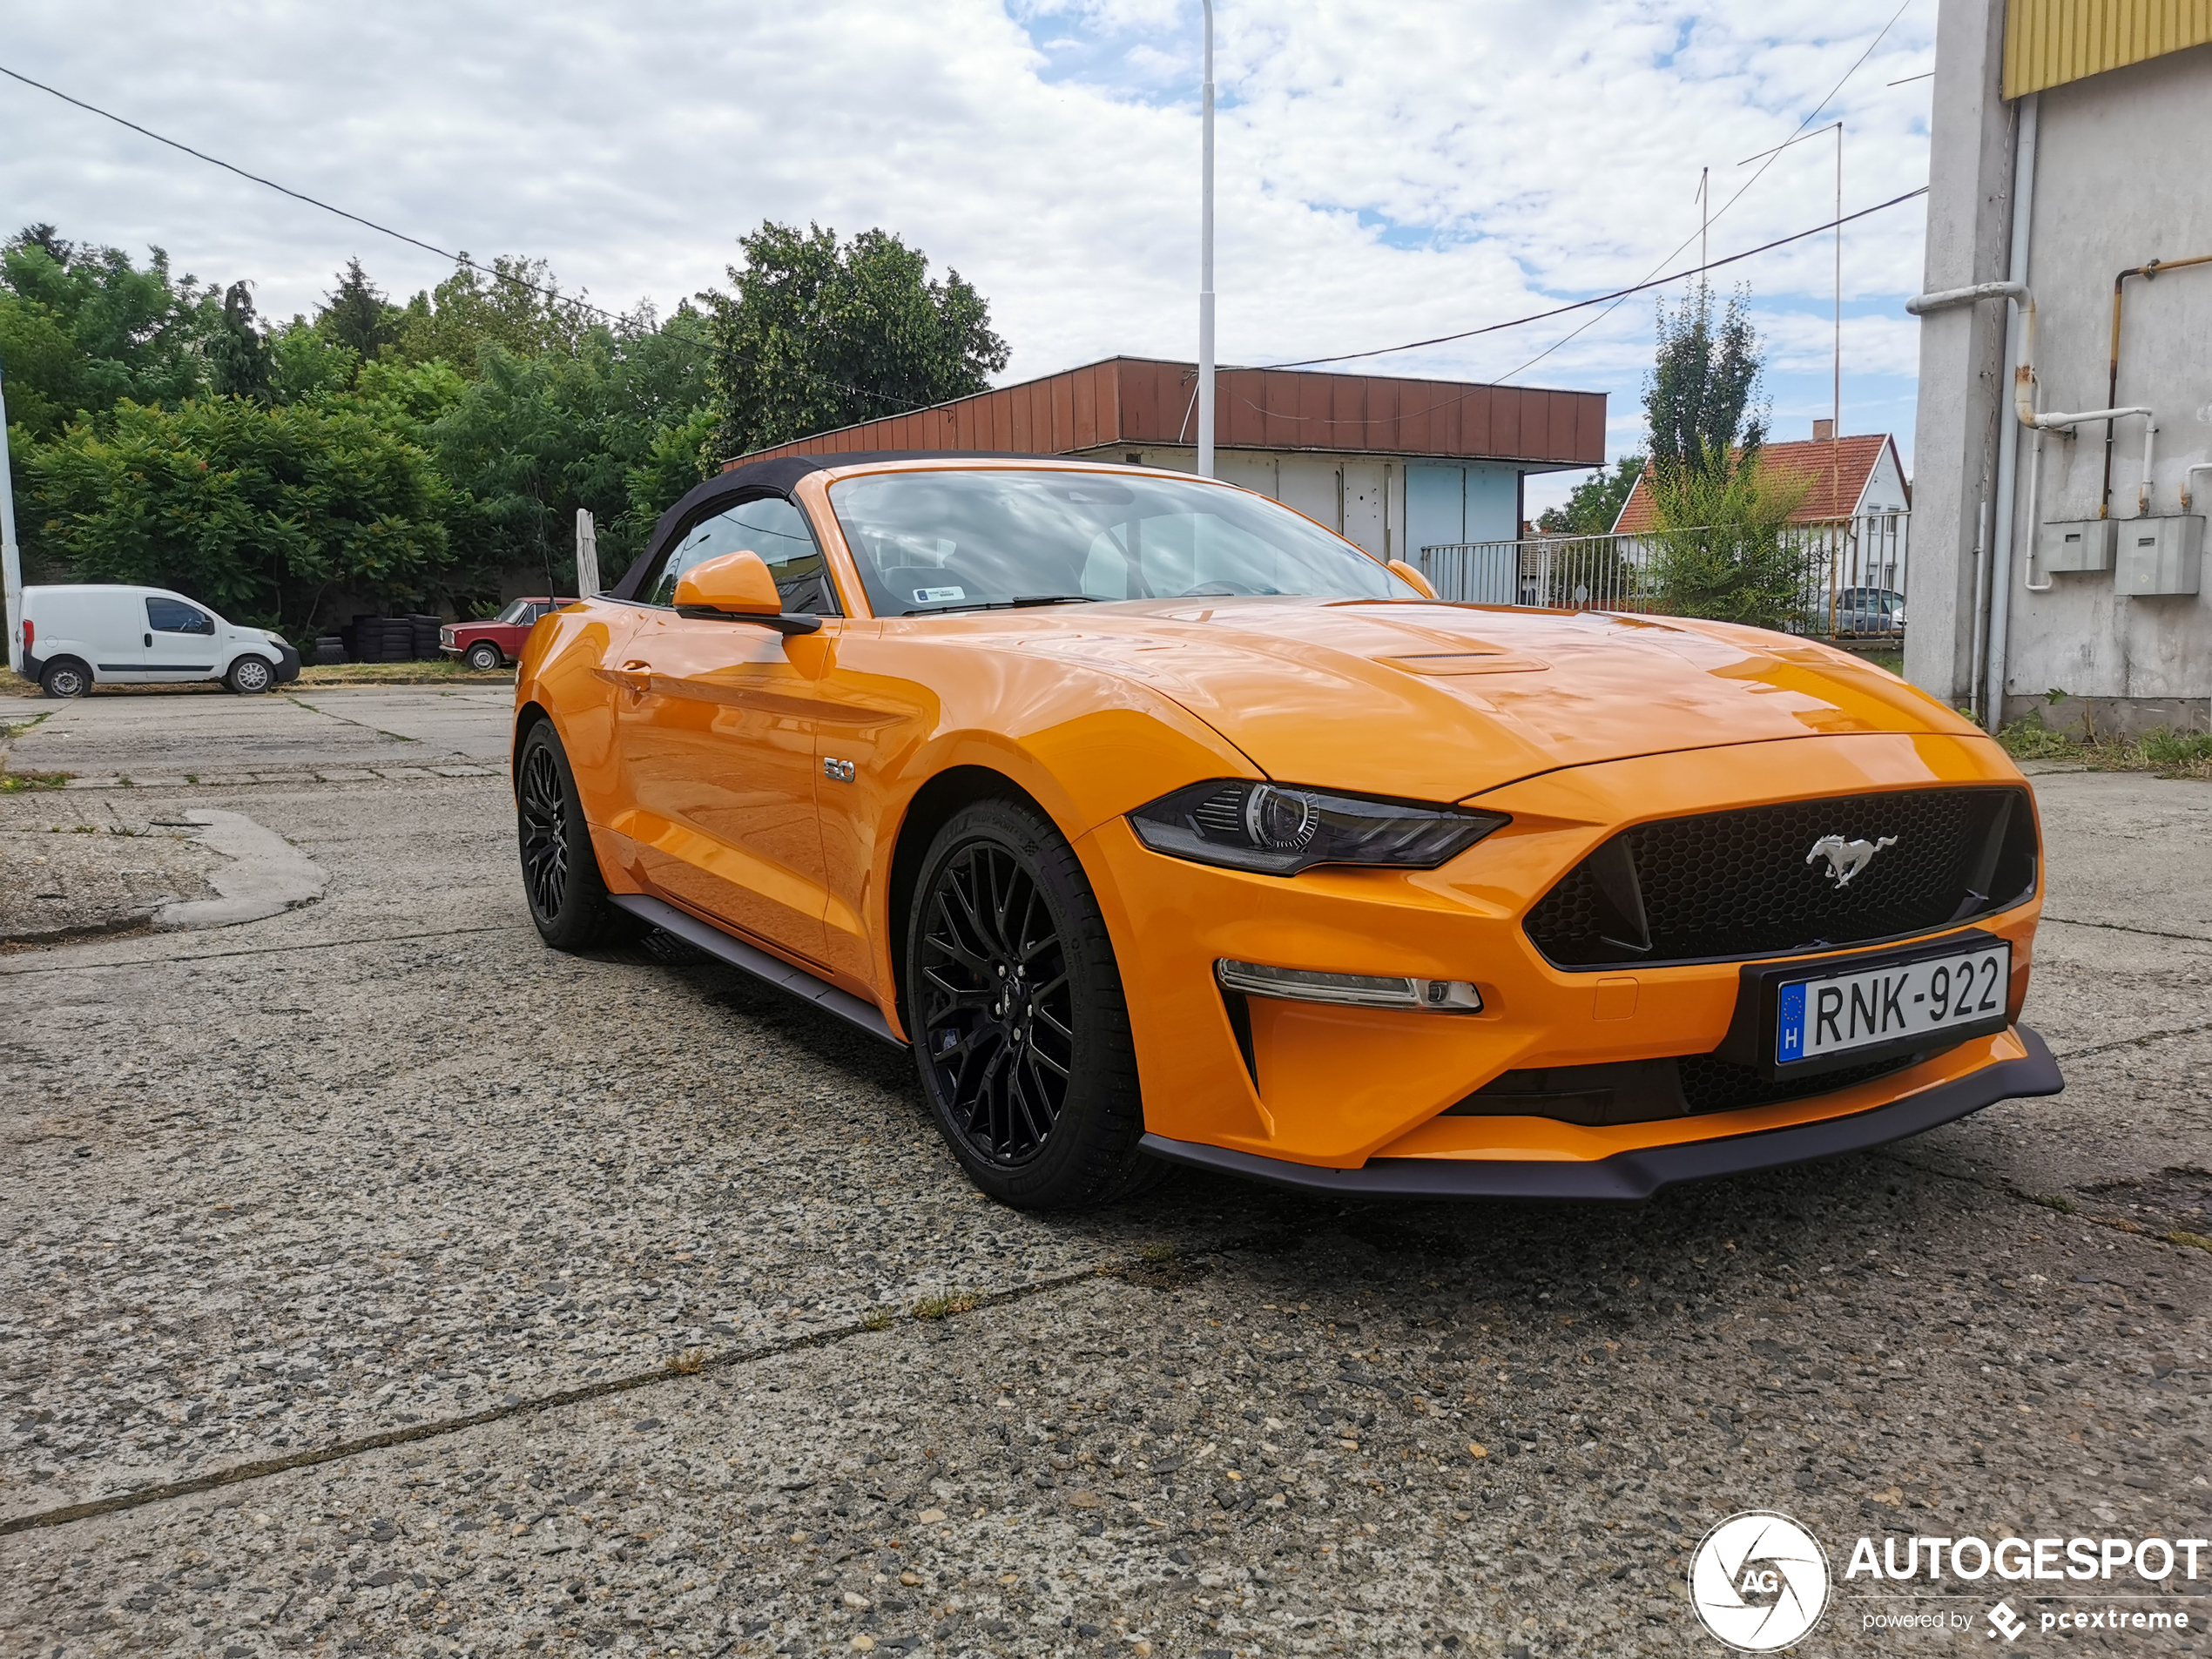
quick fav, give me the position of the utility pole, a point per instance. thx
(587, 556)
(11, 555)
(1704, 220)
(1205, 263)
(1835, 408)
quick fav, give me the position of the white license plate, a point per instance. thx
(1881, 1005)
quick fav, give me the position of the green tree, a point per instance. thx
(304, 363)
(518, 306)
(86, 328)
(1725, 547)
(1594, 505)
(1703, 399)
(357, 316)
(820, 334)
(265, 513)
(238, 351)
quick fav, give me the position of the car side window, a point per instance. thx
(775, 530)
(174, 617)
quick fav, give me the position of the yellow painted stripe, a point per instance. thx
(2048, 43)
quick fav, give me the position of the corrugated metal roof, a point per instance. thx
(1834, 473)
(1138, 402)
(2048, 43)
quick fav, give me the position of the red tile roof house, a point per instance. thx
(1856, 483)
(1863, 473)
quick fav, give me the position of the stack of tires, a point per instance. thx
(391, 639)
(330, 649)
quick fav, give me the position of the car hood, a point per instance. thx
(1438, 702)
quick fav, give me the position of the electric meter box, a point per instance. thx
(2076, 544)
(2159, 555)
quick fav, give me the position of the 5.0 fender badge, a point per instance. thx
(1846, 859)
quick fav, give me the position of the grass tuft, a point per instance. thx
(688, 1363)
(2194, 1241)
(936, 1307)
(1156, 1253)
(2171, 754)
(19, 783)
(878, 1319)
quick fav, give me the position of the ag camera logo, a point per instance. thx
(1759, 1581)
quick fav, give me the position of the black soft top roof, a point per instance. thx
(773, 477)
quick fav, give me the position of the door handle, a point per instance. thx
(149, 641)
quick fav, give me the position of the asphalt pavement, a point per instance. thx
(374, 1280)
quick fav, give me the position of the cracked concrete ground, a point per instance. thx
(375, 1281)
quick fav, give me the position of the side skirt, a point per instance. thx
(759, 964)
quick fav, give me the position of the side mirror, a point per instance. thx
(737, 588)
(1414, 577)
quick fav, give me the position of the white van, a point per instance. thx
(73, 639)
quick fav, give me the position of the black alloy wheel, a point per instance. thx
(1015, 1008)
(542, 805)
(998, 1023)
(560, 880)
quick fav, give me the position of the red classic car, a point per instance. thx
(499, 641)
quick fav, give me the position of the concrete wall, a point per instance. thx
(1386, 504)
(2120, 179)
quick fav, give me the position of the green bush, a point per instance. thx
(259, 511)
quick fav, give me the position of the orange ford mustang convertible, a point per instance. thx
(1163, 824)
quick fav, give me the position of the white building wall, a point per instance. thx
(1387, 504)
(2119, 180)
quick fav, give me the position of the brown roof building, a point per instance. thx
(1395, 464)
(1845, 478)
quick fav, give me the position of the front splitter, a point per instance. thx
(1629, 1177)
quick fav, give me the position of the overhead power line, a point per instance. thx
(1705, 228)
(1607, 299)
(551, 293)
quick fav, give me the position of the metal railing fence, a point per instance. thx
(1844, 579)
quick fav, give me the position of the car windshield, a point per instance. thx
(518, 611)
(957, 539)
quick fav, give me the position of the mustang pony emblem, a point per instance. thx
(1846, 859)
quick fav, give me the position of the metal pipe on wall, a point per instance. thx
(2000, 547)
(2148, 272)
(1981, 607)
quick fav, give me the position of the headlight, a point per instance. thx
(1279, 829)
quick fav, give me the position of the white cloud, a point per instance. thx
(1387, 171)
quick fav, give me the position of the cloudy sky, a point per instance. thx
(1387, 171)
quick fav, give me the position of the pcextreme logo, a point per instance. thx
(1759, 1581)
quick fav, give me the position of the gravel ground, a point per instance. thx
(375, 1281)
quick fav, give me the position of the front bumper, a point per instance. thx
(288, 664)
(1338, 1089)
(1631, 1176)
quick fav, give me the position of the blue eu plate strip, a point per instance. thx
(1789, 1026)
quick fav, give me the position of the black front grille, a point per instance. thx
(1721, 886)
(1644, 1091)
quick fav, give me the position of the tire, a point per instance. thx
(562, 885)
(65, 676)
(483, 655)
(1036, 1092)
(251, 675)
